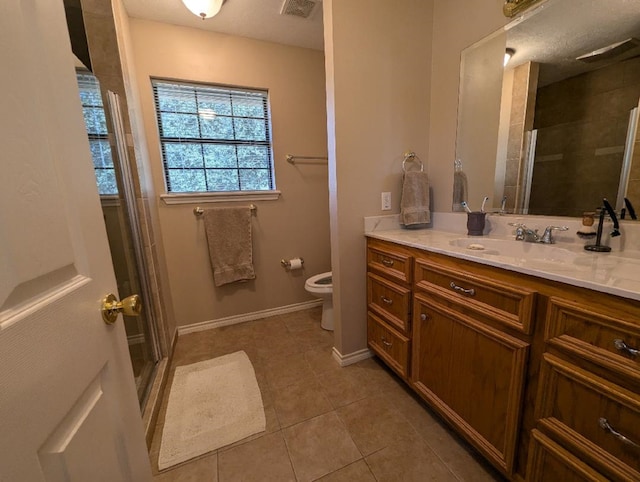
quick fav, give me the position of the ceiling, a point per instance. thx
(558, 31)
(258, 19)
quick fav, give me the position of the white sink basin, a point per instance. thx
(520, 250)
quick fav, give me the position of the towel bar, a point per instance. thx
(198, 211)
(291, 159)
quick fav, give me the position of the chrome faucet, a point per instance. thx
(523, 233)
(547, 237)
(519, 230)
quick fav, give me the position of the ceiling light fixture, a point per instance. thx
(507, 55)
(203, 8)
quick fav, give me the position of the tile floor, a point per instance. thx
(324, 422)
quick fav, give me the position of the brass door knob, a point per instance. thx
(130, 306)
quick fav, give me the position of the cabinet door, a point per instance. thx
(472, 374)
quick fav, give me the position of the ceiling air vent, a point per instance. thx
(298, 8)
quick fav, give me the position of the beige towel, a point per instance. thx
(230, 246)
(414, 206)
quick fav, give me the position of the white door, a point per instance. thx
(68, 405)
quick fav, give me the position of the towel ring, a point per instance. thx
(411, 156)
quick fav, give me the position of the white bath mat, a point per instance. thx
(211, 404)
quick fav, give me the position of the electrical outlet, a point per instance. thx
(386, 201)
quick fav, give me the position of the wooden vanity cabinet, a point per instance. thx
(389, 278)
(549, 461)
(543, 378)
(589, 391)
(464, 363)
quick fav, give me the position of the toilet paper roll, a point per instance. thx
(295, 263)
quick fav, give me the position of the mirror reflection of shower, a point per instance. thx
(581, 154)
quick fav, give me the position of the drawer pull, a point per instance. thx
(424, 316)
(387, 262)
(623, 347)
(469, 292)
(386, 343)
(606, 426)
(386, 300)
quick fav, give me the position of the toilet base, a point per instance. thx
(327, 315)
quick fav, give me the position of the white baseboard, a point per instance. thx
(351, 358)
(256, 315)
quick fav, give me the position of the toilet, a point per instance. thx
(321, 285)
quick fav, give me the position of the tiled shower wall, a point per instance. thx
(582, 126)
(523, 99)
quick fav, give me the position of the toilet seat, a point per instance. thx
(318, 283)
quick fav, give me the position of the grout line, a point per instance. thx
(286, 445)
(315, 377)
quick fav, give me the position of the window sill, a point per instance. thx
(210, 197)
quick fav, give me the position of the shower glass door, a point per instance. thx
(117, 198)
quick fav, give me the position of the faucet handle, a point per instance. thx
(547, 236)
(520, 229)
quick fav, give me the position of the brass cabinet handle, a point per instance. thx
(606, 426)
(387, 262)
(386, 300)
(111, 307)
(385, 342)
(469, 292)
(623, 347)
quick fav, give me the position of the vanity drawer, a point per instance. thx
(389, 262)
(596, 336)
(549, 461)
(511, 305)
(391, 346)
(389, 300)
(574, 404)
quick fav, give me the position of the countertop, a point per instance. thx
(616, 273)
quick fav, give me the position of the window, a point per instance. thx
(96, 124)
(213, 139)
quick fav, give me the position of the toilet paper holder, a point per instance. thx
(286, 263)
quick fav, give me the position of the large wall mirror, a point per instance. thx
(552, 132)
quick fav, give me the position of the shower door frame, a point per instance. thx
(122, 163)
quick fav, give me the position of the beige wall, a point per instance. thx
(406, 55)
(378, 84)
(295, 225)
